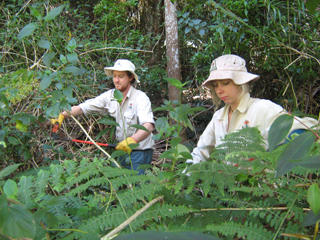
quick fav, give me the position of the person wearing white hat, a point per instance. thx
(135, 108)
(229, 82)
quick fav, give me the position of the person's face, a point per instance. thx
(121, 80)
(227, 91)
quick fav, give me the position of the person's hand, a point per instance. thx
(58, 120)
(124, 145)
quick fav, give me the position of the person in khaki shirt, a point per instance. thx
(134, 109)
(229, 82)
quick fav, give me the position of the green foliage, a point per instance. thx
(272, 36)
(169, 128)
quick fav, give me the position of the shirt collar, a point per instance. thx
(244, 103)
(243, 106)
(130, 92)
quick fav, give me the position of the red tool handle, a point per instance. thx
(55, 128)
(100, 144)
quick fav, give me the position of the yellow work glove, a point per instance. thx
(59, 120)
(124, 145)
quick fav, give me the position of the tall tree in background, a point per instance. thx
(172, 47)
(172, 50)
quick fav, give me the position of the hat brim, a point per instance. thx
(109, 72)
(238, 77)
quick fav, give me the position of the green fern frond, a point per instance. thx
(56, 176)
(70, 166)
(174, 228)
(90, 183)
(246, 139)
(130, 178)
(141, 192)
(247, 231)
(41, 183)
(26, 191)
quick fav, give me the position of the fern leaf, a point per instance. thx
(141, 192)
(41, 183)
(246, 231)
(26, 191)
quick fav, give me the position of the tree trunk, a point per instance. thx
(172, 50)
(172, 46)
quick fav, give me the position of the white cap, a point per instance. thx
(122, 65)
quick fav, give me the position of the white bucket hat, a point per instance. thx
(229, 67)
(122, 65)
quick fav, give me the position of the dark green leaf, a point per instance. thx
(279, 129)
(162, 109)
(138, 126)
(72, 101)
(8, 170)
(175, 82)
(27, 30)
(166, 154)
(311, 219)
(118, 153)
(165, 175)
(312, 5)
(72, 45)
(53, 111)
(74, 70)
(13, 140)
(17, 222)
(68, 92)
(311, 162)
(45, 83)
(118, 96)
(296, 149)
(175, 141)
(2, 135)
(47, 59)
(195, 109)
(44, 44)
(10, 188)
(313, 198)
(56, 96)
(109, 122)
(161, 123)
(144, 166)
(101, 133)
(73, 58)
(241, 177)
(53, 13)
(186, 155)
(35, 13)
(133, 145)
(63, 59)
(4, 99)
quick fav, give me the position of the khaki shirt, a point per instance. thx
(136, 109)
(251, 112)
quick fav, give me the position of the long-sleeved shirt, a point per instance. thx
(135, 108)
(251, 112)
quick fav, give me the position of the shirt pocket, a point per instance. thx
(112, 110)
(129, 118)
